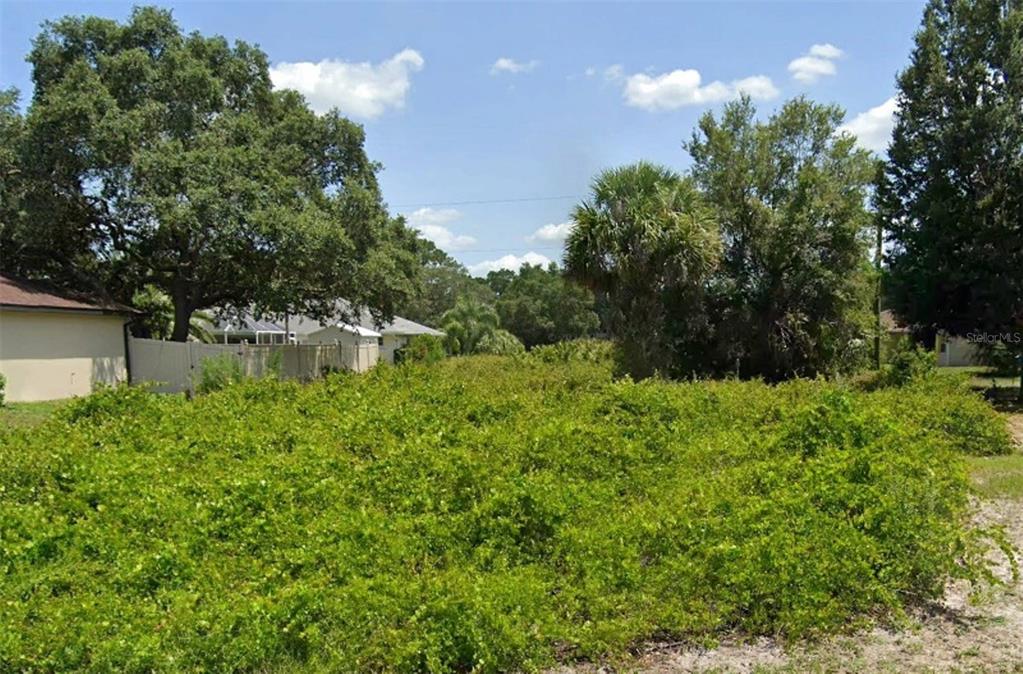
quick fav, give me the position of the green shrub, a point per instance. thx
(908, 363)
(421, 349)
(500, 343)
(218, 372)
(582, 350)
(485, 513)
(3, 389)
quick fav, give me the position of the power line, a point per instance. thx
(512, 251)
(486, 201)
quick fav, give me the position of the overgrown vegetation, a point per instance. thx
(599, 351)
(421, 349)
(219, 372)
(465, 516)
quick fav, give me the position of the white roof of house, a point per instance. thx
(358, 330)
(304, 325)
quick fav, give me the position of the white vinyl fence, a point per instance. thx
(173, 367)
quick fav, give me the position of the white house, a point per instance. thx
(54, 345)
(389, 336)
(950, 351)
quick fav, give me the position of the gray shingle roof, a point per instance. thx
(304, 325)
(246, 323)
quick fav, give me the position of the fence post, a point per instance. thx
(190, 386)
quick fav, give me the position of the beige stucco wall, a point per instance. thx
(48, 355)
(335, 335)
(391, 344)
(956, 352)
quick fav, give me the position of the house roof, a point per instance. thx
(36, 295)
(245, 324)
(403, 326)
(304, 325)
(358, 330)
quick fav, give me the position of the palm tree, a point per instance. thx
(467, 323)
(645, 242)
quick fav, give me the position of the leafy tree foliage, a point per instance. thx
(755, 265)
(791, 295)
(499, 280)
(442, 282)
(540, 306)
(467, 324)
(951, 194)
(154, 157)
(648, 242)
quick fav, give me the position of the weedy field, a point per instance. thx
(481, 513)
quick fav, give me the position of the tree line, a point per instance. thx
(757, 262)
(163, 168)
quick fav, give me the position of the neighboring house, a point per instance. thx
(951, 351)
(390, 336)
(247, 328)
(54, 345)
(956, 352)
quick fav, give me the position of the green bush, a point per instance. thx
(500, 343)
(3, 389)
(576, 350)
(218, 372)
(485, 513)
(421, 349)
(908, 363)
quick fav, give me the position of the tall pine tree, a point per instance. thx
(951, 194)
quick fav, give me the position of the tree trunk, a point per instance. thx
(1019, 369)
(879, 243)
(182, 316)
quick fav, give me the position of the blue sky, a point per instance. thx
(490, 102)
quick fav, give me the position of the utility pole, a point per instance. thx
(878, 243)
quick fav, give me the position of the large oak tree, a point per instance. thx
(154, 157)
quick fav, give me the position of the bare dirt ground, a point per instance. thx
(979, 632)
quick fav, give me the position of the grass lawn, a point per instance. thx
(983, 377)
(998, 476)
(23, 415)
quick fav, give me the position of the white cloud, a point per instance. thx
(512, 262)
(358, 89)
(507, 65)
(431, 224)
(614, 72)
(818, 62)
(826, 51)
(552, 233)
(683, 87)
(758, 87)
(873, 128)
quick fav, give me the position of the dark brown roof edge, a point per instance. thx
(18, 293)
